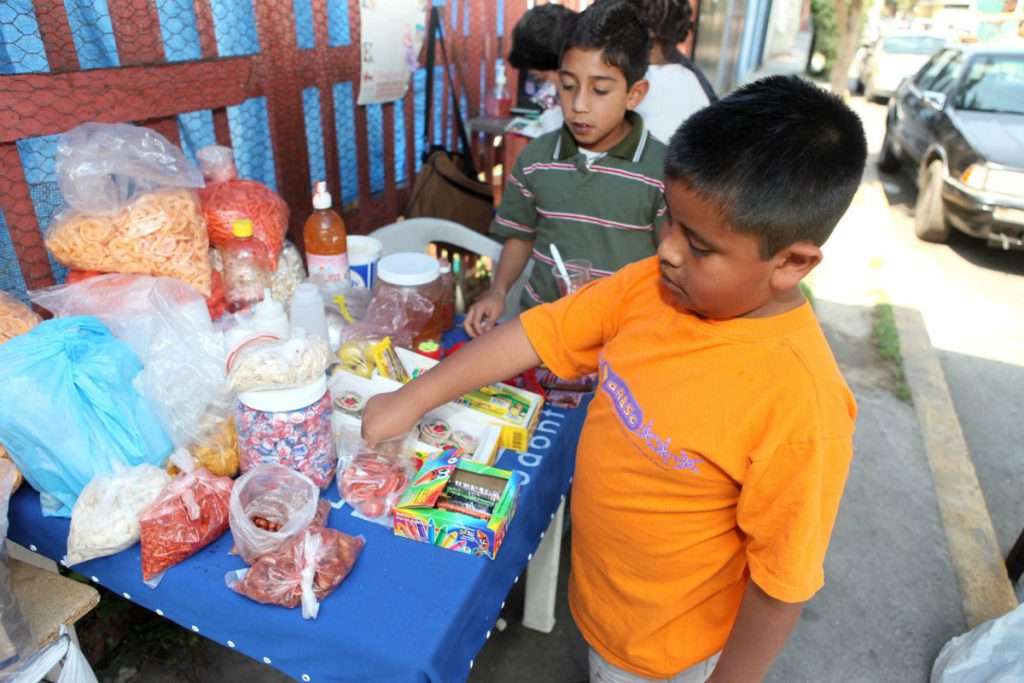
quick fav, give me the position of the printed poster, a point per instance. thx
(392, 33)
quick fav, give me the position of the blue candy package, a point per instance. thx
(68, 410)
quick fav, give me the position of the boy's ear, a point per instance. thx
(793, 263)
(637, 93)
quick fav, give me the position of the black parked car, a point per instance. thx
(958, 124)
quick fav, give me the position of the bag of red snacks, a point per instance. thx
(188, 515)
(306, 569)
(372, 480)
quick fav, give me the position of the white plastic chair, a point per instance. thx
(414, 234)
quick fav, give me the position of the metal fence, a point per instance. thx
(277, 80)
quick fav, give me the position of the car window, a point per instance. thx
(912, 45)
(993, 84)
(930, 70)
(948, 76)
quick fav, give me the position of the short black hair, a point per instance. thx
(537, 37)
(614, 28)
(669, 22)
(780, 158)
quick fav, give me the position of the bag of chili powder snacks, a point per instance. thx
(306, 569)
(189, 514)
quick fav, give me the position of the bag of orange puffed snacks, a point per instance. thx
(131, 205)
(15, 317)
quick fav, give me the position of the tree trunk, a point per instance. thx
(848, 21)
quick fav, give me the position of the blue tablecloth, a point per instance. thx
(407, 612)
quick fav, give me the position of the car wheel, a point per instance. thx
(929, 222)
(888, 162)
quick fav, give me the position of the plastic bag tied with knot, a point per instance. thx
(305, 570)
(70, 410)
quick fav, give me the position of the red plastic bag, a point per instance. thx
(227, 198)
(190, 514)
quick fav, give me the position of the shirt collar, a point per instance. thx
(630, 147)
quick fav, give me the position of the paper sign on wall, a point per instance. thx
(392, 33)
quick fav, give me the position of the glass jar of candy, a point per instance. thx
(290, 427)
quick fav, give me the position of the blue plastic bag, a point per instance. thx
(68, 410)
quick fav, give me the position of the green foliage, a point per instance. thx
(885, 337)
(826, 32)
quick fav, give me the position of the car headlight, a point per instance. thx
(992, 179)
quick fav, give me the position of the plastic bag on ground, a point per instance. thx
(991, 652)
(270, 504)
(305, 570)
(105, 519)
(190, 514)
(74, 667)
(70, 410)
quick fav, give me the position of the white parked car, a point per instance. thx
(894, 57)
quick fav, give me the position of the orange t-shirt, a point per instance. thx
(713, 451)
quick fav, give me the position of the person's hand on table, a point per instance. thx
(483, 314)
(387, 416)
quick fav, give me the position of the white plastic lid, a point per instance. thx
(321, 197)
(408, 269)
(306, 291)
(285, 400)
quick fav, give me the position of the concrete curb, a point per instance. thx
(984, 586)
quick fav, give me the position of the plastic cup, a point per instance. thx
(363, 255)
(579, 275)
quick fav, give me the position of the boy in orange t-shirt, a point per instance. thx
(714, 455)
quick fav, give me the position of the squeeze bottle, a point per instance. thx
(269, 317)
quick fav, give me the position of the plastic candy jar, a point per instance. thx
(421, 274)
(291, 427)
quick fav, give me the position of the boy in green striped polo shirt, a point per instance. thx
(594, 188)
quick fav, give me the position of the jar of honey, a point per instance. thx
(421, 274)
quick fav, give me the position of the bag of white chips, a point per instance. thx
(105, 518)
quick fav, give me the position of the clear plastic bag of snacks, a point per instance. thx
(15, 317)
(190, 514)
(372, 480)
(105, 519)
(306, 569)
(260, 364)
(270, 504)
(131, 205)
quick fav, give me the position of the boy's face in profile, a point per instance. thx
(595, 98)
(708, 267)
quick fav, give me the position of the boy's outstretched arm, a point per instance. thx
(483, 315)
(501, 353)
(762, 627)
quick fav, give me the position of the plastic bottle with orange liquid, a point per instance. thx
(326, 240)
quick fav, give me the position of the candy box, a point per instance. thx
(453, 426)
(515, 410)
(459, 505)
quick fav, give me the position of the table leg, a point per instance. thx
(542, 577)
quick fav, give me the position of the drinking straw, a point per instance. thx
(560, 264)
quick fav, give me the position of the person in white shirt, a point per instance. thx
(677, 87)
